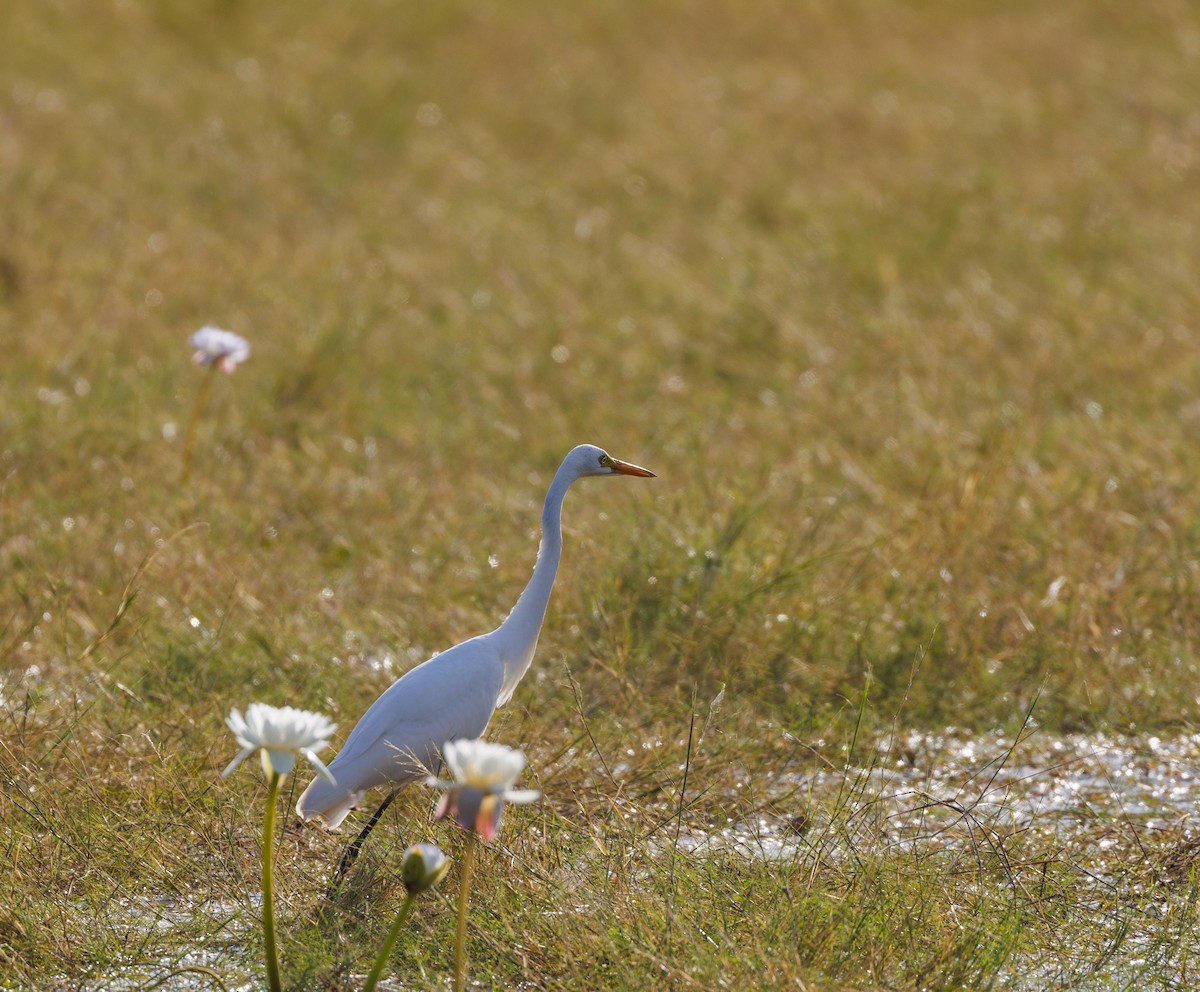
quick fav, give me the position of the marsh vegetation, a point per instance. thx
(900, 302)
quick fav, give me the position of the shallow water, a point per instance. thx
(1119, 810)
(1098, 802)
(923, 789)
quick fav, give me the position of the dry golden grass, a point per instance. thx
(899, 300)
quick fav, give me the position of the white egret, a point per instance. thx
(452, 695)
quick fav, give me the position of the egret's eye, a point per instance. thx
(605, 461)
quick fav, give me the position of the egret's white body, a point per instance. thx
(453, 694)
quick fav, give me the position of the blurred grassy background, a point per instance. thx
(898, 299)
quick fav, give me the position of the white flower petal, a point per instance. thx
(521, 795)
(319, 765)
(450, 756)
(493, 765)
(278, 760)
(242, 756)
(237, 724)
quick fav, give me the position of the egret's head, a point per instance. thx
(587, 459)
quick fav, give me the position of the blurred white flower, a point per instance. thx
(281, 735)
(226, 349)
(483, 775)
(422, 867)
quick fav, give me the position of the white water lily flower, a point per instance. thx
(280, 735)
(483, 776)
(226, 349)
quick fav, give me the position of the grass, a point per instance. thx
(898, 299)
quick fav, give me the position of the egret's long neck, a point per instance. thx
(517, 636)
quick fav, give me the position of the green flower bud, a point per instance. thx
(422, 867)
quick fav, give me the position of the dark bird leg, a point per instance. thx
(351, 852)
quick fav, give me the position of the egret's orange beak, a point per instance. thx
(627, 468)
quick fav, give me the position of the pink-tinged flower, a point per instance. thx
(224, 348)
(483, 776)
(280, 735)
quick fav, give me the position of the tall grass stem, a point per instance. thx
(191, 969)
(687, 767)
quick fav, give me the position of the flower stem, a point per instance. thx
(464, 890)
(190, 438)
(386, 950)
(268, 887)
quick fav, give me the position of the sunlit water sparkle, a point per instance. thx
(1092, 798)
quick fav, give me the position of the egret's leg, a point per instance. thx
(351, 852)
